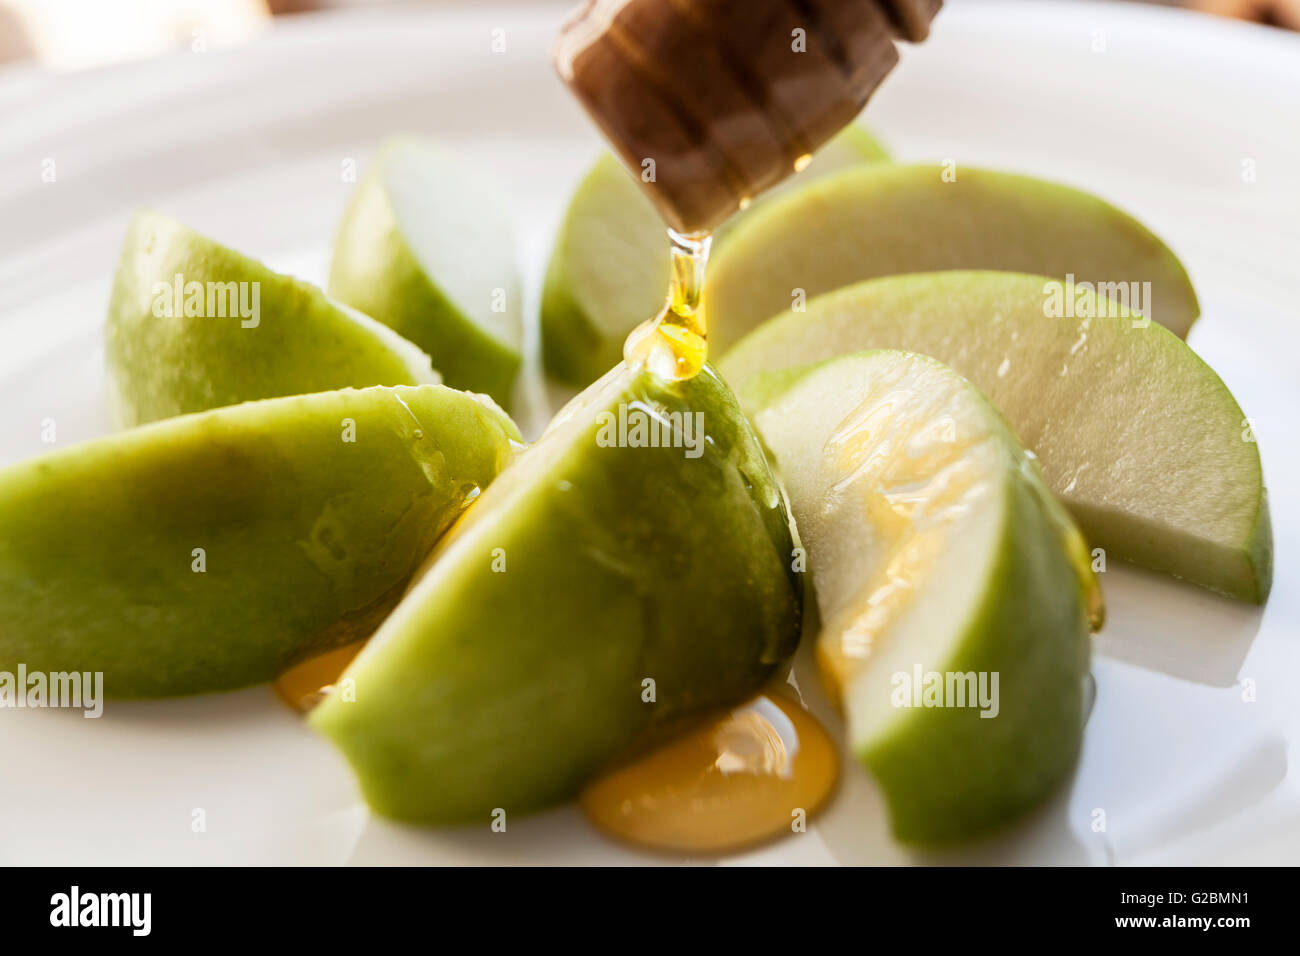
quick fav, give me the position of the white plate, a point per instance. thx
(1195, 720)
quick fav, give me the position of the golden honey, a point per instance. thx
(673, 345)
(304, 685)
(738, 778)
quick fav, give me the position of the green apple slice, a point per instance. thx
(935, 549)
(209, 551)
(609, 269)
(426, 248)
(1139, 437)
(600, 590)
(888, 220)
(193, 325)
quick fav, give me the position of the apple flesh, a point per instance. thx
(1138, 436)
(935, 549)
(210, 551)
(602, 590)
(609, 269)
(193, 325)
(425, 247)
(887, 220)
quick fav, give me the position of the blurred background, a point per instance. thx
(75, 34)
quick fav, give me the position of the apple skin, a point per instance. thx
(951, 776)
(1141, 440)
(609, 268)
(1005, 591)
(888, 220)
(516, 667)
(378, 268)
(298, 342)
(307, 538)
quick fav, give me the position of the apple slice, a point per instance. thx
(602, 589)
(935, 549)
(887, 220)
(209, 551)
(609, 270)
(426, 248)
(193, 325)
(1139, 437)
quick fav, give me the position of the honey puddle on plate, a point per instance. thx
(305, 685)
(743, 776)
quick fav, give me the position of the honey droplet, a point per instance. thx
(305, 684)
(673, 345)
(741, 777)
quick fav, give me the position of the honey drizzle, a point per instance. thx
(673, 346)
(731, 780)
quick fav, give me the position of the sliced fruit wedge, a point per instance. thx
(1138, 436)
(426, 248)
(609, 269)
(632, 568)
(887, 220)
(193, 325)
(208, 552)
(952, 588)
